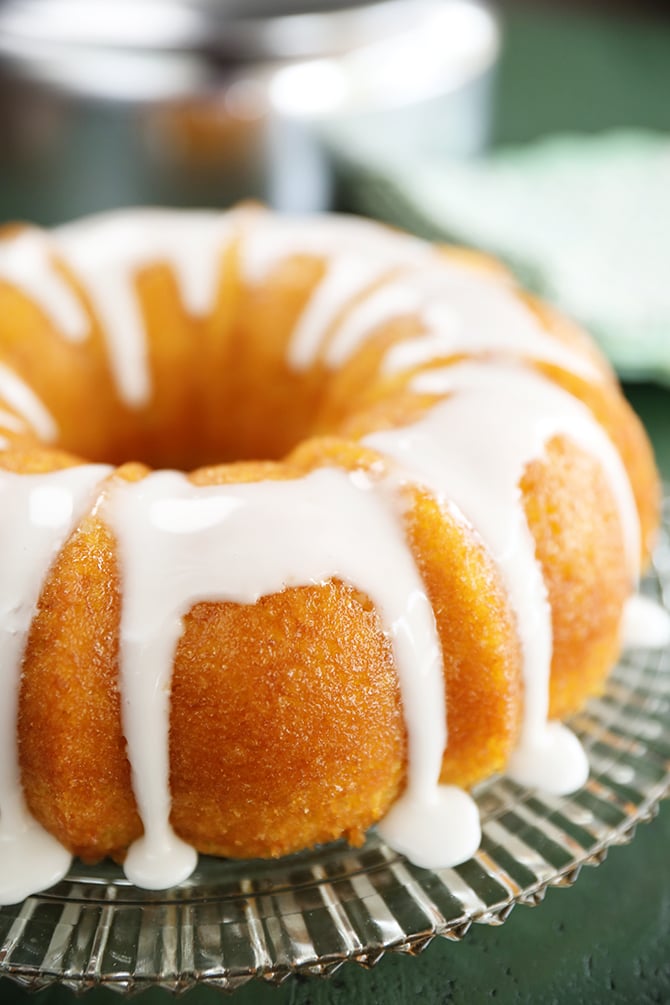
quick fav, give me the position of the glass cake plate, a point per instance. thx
(312, 912)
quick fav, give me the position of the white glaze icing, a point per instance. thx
(39, 513)
(11, 422)
(270, 239)
(461, 311)
(175, 540)
(453, 452)
(16, 393)
(27, 262)
(344, 280)
(107, 252)
(536, 394)
(356, 253)
(645, 624)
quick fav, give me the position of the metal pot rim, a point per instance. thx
(238, 33)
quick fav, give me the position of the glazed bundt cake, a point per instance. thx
(425, 571)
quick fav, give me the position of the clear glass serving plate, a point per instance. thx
(312, 912)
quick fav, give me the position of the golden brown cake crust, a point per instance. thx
(287, 725)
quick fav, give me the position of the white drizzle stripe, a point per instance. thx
(270, 239)
(345, 279)
(181, 544)
(645, 624)
(39, 512)
(106, 252)
(26, 261)
(11, 422)
(16, 393)
(462, 312)
(565, 414)
(455, 452)
(357, 254)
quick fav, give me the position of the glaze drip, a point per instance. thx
(175, 542)
(16, 393)
(459, 309)
(645, 624)
(453, 452)
(106, 253)
(39, 514)
(27, 261)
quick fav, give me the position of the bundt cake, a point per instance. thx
(416, 508)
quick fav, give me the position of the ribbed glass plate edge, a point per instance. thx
(310, 913)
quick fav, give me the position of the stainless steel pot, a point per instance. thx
(106, 103)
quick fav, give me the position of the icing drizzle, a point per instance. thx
(175, 539)
(16, 393)
(39, 514)
(461, 310)
(453, 452)
(175, 543)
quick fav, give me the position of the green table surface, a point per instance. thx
(607, 939)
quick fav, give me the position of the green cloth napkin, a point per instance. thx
(583, 220)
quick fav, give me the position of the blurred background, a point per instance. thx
(536, 130)
(113, 102)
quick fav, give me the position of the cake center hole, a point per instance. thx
(175, 388)
(188, 425)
